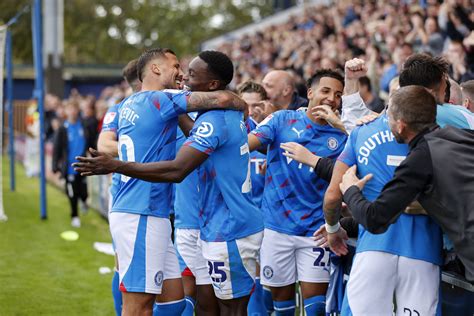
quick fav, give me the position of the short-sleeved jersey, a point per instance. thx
(373, 149)
(293, 195)
(227, 211)
(257, 162)
(110, 124)
(186, 197)
(147, 133)
(455, 116)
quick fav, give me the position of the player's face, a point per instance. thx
(171, 74)
(198, 77)
(327, 92)
(253, 99)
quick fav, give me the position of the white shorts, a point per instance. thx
(377, 276)
(189, 252)
(232, 265)
(286, 259)
(145, 253)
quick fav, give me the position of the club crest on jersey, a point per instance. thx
(267, 272)
(159, 278)
(109, 117)
(332, 143)
(205, 129)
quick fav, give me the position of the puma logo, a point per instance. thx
(297, 131)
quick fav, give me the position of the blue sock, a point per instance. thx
(190, 303)
(174, 308)
(315, 305)
(268, 301)
(256, 306)
(284, 308)
(116, 294)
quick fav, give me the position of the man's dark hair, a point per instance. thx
(130, 72)
(415, 106)
(149, 55)
(365, 81)
(423, 70)
(324, 73)
(252, 86)
(219, 65)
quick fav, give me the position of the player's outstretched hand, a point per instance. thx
(99, 163)
(349, 179)
(367, 119)
(326, 113)
(337, 242)
(299, 153)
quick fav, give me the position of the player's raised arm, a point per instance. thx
(221, 99)
(175, 170)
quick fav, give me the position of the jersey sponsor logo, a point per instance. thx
(109, 117)
(298, 132)
(205, 129)
(267, 272)
(394, 160)
(332, 143)
(159, 278)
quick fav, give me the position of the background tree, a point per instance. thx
(115, 31)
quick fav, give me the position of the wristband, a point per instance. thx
(332, 229)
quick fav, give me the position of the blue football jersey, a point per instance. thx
(227, 211)
(455, 116)
(293, 195)
(186, 197)
(373, 149)
(147, 133)
(110, 124)
(76, 143)
(257, 162)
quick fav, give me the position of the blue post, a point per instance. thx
(37, 27)
(9, 97)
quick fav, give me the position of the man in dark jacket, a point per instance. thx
(438, 172)
(71, 141)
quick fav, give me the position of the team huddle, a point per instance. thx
(257, 191)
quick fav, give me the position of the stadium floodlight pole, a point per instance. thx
(38, 93)
(9, 99)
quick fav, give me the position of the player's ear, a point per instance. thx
(155, 69)
(214, 85)
(310, 93)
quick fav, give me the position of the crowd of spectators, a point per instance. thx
(384, 33)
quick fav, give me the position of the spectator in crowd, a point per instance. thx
(280, 88)
(71, 141)
(467, 89)
(455, 93)
(373, 102)
(89, 119)
(31, 158)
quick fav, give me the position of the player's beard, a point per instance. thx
(398, 137)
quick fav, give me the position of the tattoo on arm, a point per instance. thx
(199, 101)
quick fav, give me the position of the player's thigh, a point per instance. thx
(417, 291)
(277, 259)
(172, 285)
(142, 246)
(189, 249)
(232, 265)
(372, 283)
